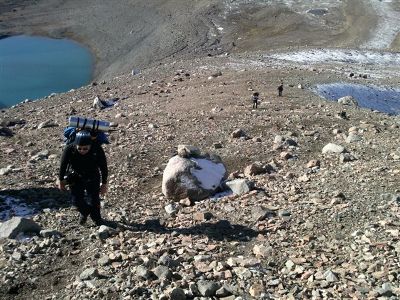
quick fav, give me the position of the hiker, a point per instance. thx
(80, 168)
(280, 90)
(255, 99)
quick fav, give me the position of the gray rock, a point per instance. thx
(330, 276)
(348, 100)
(352, 138)
(279, 139)
(385, 290)
(105, 232)
(172, 208)
(291, 142)
(242, 272)
(88, 274)
(143, 272)
(162, 272)
(177, 294)
(46, 233)
(223, 292)
(207, 288)
(333, 148)
(390, 197)
(346, 157)
(42, 155)
(11, 228)
(238, 133)
(168, 261)
(254, 169)
(240, 186)
(260, 213)
(5, 171)
(49, 123)
(188, 151)
(262, 251)
(104, 261)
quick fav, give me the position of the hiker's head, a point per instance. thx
(256, 93)
(83, 141)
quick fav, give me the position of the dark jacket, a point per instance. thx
(87, 166)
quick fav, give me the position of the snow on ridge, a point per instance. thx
(339, 56)
(387, 28)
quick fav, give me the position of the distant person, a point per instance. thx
(255, 99)
(81, 165)
(280, 90)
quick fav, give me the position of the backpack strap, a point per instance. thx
(84, 124)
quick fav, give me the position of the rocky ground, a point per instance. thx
(316, 226)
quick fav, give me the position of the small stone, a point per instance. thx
(50, 233)
(333, 148)
(172, 208)
(313, 163)
(207, 288)
(242, 272)
(256, 290)
(177, 294)
(202, 216)
(240, 186)
(330, 276)
(186, 202)
(143, 272)
(88, 274)
(162, 272)
(262, 251)
(104, 261)
(289, 265)
(238, 133)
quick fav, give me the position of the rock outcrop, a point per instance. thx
(190, 175)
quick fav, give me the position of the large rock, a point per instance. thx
(11, 228)
(240, 186)
(333, 148)
(348, 100)
(254, 169)
(195, 178)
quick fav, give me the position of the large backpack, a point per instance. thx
(70, 133)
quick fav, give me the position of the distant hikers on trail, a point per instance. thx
(83, 168)
(254, 98)
(280, 90)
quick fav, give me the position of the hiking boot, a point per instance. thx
(100, 222)
(82, 219)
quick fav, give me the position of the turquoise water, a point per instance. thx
(35, 67)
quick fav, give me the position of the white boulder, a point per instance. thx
(195, 178)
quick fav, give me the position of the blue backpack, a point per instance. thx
(70, 133)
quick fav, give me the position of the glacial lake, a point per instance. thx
(34, 67)
(380, 98)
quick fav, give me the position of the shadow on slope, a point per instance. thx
(220, 231)
(29, 201)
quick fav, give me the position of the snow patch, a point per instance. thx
(388, 25)
(13, 207)
(339, 56)
(208, 173)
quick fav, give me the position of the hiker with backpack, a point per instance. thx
(280, 89)
(83, 168)
(254, 98)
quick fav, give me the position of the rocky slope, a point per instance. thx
(127, 35)
(316, 226)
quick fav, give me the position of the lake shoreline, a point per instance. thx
(35, 67)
